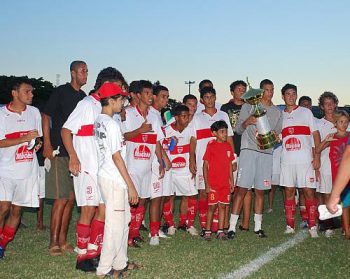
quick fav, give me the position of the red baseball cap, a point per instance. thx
(109, 89)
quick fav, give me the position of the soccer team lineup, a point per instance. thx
(137, 174)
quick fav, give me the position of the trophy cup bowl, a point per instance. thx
(266, 138)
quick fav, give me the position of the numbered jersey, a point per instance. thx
(297, 129)
(17, 161)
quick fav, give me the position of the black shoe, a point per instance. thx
(202, 232)
(164, 228)
(231, 234)
(134, 244)
(182, 228)
(86, 266)
(95, 261)
(241, 228)
(139, 239)
(260, 233)
(143, 228)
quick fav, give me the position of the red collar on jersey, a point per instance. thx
(140, 112)
(285, 110)
(96, 96)
(11, 110)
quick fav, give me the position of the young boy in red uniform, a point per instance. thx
(218, 176)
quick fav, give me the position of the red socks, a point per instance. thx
(96, 234)
(137, 215)
(289, 208)
(154, 228)
(83, 235)
(182, 219)
(311, 208)
(7, 235)
(303, 213)
(202, 212)
(168, 213)
(191, 210)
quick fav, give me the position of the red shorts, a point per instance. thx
(219, 196)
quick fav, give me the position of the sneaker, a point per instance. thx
(231, 234)
(221, 236)
(260, 233)
(171, 230)
(192, 231)
(182, 227)
(303, 225)
(313, 232)
(207, 235)
(154, 241)
(202, 233)
(85, 265)
(164, 228)
(289, 230)
(269, 210)
(329, 233)
(241, 228)
(143, 228)
(2, 253)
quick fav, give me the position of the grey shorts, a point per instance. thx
(58, 181)
(254, 168)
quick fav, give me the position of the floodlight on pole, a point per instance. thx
(189, 83)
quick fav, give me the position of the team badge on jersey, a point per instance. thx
(142, 152)
(293, 144)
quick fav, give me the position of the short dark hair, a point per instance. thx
(234, 84)
(142, 84)
(327, 94)
(104, 101)
(75, 64)
(18, 81)
(180, 108)
(189, 97)
(133, 86)
(109, 74)
(265, 82)
(158, 88)
(206, 90)
(204, 81)
(287, 87)
(304, 98)
(217, 125)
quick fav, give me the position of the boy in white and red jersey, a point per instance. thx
(202, 135)
(83, 164)
(182, 179)
(20, 124)
(297, 159)
(142, 144)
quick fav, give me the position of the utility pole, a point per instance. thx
(189, 83)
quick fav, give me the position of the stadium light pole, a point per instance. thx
(189, 83)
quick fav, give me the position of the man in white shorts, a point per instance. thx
(298, 160)
(83, 164)
(20, 123)
(142, 145)
(200, 124)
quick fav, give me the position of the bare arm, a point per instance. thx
(25, 138)
(159, 150)
(193, 166)
(74, 163)
(47, 152)
(231, 179)
(317, 139)
(205, 175)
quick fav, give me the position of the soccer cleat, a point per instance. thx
(192, 231)
(329, 233)
(260, 233)
(95, 261)
(2, 253)
(139, 239)
(182, 227)
(289, 230)
(134, 244)
(162, 235)
(241, 228)
(202, 233)
(154, 241)
(171, 230)
(207, 235)
(313, 232)
(303, 225)
(86, 266)
(221, 236)
(164, 228)
(231, 234)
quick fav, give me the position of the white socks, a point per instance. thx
(257, 222)
(233, 222)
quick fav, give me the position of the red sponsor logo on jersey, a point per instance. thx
(292, 144)
(23, 154)
(142, 152)
(179, 162)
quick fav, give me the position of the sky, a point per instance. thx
(301, 42)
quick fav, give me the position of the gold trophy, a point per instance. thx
(266, 138)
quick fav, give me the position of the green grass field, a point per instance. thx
(183, 256)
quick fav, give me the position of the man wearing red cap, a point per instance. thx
(115, 184)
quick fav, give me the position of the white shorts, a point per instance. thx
(156, 187)
(142, 184)
(200, 185)
(276, 166)
(168, 188)
(21, 192)
(184, 185)
(298, 175)
(41, 182)
(87, 192)
(324, 186)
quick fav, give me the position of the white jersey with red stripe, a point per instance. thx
(201, 123)
(180, 155)
(140, 150)
(17, 161)
(325, 128)
(297, 129)
(81, 123)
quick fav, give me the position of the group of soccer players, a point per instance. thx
(116, 153)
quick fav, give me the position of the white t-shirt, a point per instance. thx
(180, 156)
(325, 128)
(297, 129)
(140, 150)
(109, 140)
(201, 123)
(81, 123)
(17, 161)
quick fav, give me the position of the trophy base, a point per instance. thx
(267, 141)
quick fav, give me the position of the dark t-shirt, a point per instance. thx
(62, 102)
(232, 111)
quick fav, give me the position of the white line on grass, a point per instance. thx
(271, 254)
